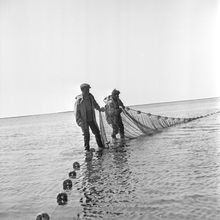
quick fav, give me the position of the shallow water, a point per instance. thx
(174, 174)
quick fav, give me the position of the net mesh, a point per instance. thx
(138, 123)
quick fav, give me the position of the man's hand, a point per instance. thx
(82, 124)
(119, 111)
(102, 109)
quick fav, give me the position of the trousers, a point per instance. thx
(95, 130)
(118, 126)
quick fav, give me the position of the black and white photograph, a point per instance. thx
(110, 109)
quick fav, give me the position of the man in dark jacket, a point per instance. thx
(113, 109)
(85, 106)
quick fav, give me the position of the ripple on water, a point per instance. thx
(171, 175)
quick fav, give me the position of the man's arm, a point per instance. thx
(96, 105)
(120, 103)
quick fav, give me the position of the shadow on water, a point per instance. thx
(106, 182)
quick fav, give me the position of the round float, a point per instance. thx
(72, 174)
(76, 165)
(67, 184)
(62, 198)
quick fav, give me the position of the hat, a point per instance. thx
(84, 85)
(115, 92)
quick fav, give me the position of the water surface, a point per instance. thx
(174, 174)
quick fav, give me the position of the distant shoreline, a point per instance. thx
(154, 103)
(186, 100)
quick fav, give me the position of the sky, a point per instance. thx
(151, 50)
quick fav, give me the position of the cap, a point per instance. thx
(115, 92)
(84, 85)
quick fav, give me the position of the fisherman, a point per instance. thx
(113, 109)
(85, 106)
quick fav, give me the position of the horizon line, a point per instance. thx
(153, 103)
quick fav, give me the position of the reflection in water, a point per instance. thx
(172, 175)
(106, 182)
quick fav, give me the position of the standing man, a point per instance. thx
(85, 106)
(113, 113)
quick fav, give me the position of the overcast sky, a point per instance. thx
(151, 50)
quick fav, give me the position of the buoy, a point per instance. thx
(72, 174)
(89, 156)
(76, 165)
(39, 217)
(67, 184)
(62, 198)
(43, 216)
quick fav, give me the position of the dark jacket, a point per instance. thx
(112, 109)
(80, 109)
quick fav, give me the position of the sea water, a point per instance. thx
(174, 174)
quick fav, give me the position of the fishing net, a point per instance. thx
(138, 123)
